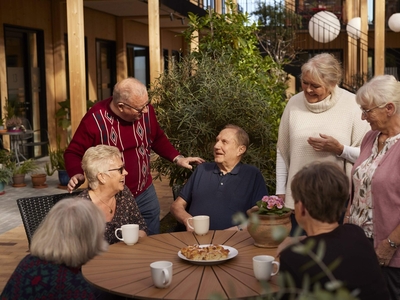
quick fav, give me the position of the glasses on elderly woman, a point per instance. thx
(367, 111)
(120, 170)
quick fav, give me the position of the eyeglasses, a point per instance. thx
(367, 111)
(138, 110)
(120, 170)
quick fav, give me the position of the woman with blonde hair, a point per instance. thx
(375, 203)
(105, 173)
(70, 235)
(321, 123)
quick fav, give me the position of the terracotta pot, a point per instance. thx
(260, 228)
(39, 181)
(18, 180)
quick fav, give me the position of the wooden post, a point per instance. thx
(379, 21)
(154, 39)
(76, 52)
(364, 38)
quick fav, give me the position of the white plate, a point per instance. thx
(232, 253)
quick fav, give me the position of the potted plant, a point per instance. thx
(5, 177)
(39, 178)
(57, 164)
(12, 110)
(269, 222)
(19, 170)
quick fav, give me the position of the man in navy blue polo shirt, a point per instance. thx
(224, 187)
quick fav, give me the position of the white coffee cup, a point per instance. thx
(161, 273)
(262, 267)
(130, 233)
(201, 224)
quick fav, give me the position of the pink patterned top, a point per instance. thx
(361, 210)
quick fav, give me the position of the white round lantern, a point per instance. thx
(394, 22)
(353, 28)
(324, 27)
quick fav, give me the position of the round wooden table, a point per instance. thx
(125, 270)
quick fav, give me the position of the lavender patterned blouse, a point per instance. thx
(361, 211)
(126, 212)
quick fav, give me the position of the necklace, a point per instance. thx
(111, 210)
(109, 207)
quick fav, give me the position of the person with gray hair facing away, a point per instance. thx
(321, 123)
(70, 235)
(105, 173)
(375, 202)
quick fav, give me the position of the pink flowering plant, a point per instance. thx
(271, 205)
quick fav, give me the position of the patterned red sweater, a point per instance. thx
(135, 140)
(38, 279)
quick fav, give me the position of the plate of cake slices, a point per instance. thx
(208, 254)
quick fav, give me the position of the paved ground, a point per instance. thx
(9, 213)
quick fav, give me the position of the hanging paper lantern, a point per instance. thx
(353, 28)
(394, 22)
(324, 27)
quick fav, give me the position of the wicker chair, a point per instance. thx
(34, 209)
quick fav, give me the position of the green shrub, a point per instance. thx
(226, 81)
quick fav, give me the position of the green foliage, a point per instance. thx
(63, 115)
(5, 174)
(25, 167)
(56, 159)
(226, 81)
(13, 110)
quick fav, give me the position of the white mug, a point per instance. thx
(262, 267)
(161, 273)
(201, 224)
(130, 233)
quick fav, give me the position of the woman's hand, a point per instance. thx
(326, 144)
(384, 252)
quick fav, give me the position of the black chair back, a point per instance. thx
(34, 209)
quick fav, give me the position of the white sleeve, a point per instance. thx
(281, 174)
(350, 153)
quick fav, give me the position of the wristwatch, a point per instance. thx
(392, 244)
(176, 158)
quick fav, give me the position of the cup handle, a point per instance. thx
(166, 277)
(277, 267)
(188, 223)
(116, 230)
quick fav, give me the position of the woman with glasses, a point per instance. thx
(105, 173)
(321, 123)
(375, 202)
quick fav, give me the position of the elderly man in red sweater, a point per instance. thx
(127, 121)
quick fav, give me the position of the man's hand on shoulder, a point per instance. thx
(75, 182)
(185, 162)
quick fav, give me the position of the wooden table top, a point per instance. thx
(125, 270)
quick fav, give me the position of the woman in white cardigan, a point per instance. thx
(321, 123)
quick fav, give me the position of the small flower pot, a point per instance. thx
(39, 181)
(262, 227)
(18, 180)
